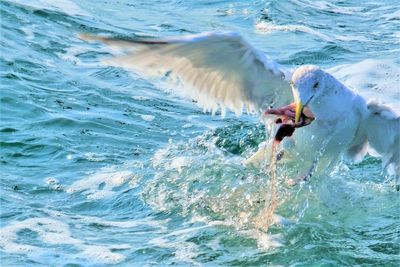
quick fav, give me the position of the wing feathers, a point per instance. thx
(215, 69)
(382, 127)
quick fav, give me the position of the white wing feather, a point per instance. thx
(383, 134)
(379, 134)
(215, 69)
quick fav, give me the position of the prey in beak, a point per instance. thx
(290, 117)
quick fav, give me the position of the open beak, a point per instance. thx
(298, 105)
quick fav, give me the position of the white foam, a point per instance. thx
(280, 220)
(147, 117)
(187, 125)
(231, 10)
(184, 251)
(91, 156)
(266, 27)
(71, 53)
(178, 163)
(375, 79)
(309, 246)
(49, 230)
(351, 38)
(148, 221)
(160, 156)
(125, 224)
(54, 232)
(28, 31)
(393, 15)
(140, 97)
(51, 181)
(101, 254)
(397, 36)
(101, 184)
(264, 240)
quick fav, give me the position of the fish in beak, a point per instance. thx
(290, 117)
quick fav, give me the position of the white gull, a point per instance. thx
(221, 70)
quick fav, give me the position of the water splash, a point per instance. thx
(265, 219)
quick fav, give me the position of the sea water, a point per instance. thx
(99, 167)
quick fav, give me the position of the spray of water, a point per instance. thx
(265, 219)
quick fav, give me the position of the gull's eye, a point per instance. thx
(316, 85)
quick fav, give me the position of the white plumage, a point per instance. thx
(220, 69)
(216, 69)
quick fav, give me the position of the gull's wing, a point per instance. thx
(383, 134)
(217, 69)
(380, 131)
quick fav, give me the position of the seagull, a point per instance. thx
(314, 118)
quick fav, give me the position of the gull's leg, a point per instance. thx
(304, 177)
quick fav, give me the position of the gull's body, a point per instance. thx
(330, 136)
(221, 70)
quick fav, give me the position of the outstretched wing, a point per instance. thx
(217, 70)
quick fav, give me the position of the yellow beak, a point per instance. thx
(298, 105)
(299, 110)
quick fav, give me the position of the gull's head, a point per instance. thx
(308, 84)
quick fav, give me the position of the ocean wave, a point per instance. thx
(266, 27)
(376, 79)
(102, 184)
(65, 6)
(325, 55)
(100, 167)
(53, 233)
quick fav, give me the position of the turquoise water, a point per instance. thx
(100, 167)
